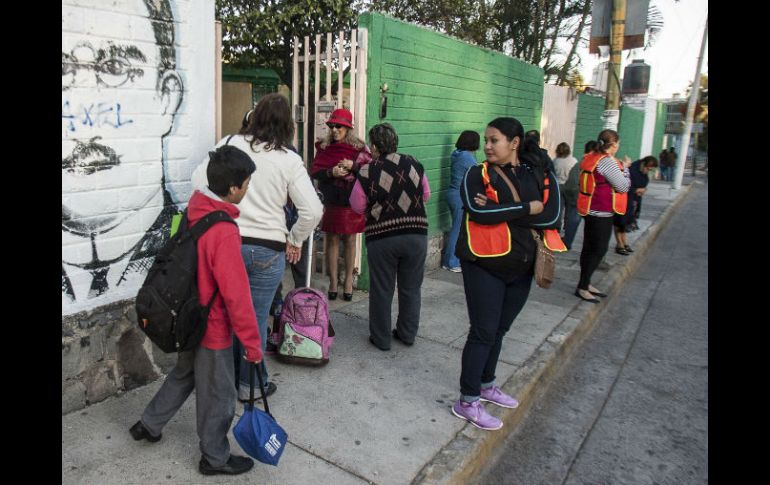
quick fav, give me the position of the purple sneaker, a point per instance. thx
(475, 414)
(496, 396)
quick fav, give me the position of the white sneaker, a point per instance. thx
(453, 270)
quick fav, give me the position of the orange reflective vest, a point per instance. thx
(493, 240)
(588, 187)
(488, 240)
(551, 238)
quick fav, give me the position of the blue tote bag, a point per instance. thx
(257, 432)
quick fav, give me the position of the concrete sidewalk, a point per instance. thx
(371, 416)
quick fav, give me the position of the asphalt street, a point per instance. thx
(631, 406)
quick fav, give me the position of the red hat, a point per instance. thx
(341, 117)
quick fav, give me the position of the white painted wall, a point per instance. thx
(559, 118)
(648, 129)
(126, 124)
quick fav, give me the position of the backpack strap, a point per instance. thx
(207, 221)
(204, 225)
(229, 138)
(211, 302)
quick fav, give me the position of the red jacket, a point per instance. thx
(220, 265)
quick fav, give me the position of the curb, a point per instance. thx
(467, 453)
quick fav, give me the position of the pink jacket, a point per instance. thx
(220, 265)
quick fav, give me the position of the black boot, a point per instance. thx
(139, 432)
(235, 466)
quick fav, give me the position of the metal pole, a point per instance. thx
(295, 90)
(611, 114)
(340, 68)
(676, 183)
(217, 81)
(328, 66)
(317, 85)
(352, 91)
(305, 102)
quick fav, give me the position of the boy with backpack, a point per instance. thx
(221, 278)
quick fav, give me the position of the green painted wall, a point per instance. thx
(438, 87)
(630, 131)
(589, 122)
(660, 126)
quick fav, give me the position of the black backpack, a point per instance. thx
(167, 306)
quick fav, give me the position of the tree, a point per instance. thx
(531, 30)
(259, 33)
(576, 81)
(465, 19)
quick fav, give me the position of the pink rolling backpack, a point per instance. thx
(305, 333)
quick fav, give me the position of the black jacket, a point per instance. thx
(528, 181)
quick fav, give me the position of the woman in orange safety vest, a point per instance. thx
(604, 183)
(496, 249)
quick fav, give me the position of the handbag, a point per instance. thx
(545, 262)
(257, 432)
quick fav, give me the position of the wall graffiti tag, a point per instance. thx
(94, 114)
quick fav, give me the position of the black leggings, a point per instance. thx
(596, 240)
(493, 305)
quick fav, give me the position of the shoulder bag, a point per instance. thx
(545, 262)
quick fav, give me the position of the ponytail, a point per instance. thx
(531, 153)
(605, 138)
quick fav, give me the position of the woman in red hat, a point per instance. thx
(338, 158)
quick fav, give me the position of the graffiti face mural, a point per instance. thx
(119, 99)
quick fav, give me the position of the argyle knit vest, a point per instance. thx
(393, 188)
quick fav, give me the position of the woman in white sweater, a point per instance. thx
(267, 243)
(562, 164)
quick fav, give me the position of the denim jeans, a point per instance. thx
(571, 224)
(666, 173)
(264, 267)
(456, 210)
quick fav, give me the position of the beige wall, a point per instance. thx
(559, 118)
(236, 101)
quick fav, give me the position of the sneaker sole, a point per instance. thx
(500, 404)
(217, 472)
(476, 424)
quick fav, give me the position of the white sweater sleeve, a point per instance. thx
(308, 205)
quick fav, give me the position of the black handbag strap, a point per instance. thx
(252, 371)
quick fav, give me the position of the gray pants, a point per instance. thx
(394, 259)
(211, 374)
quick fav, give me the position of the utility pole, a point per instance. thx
(676, 184)
(611, 114)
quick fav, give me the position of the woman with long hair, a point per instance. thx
(338, 158)
(562, 164)
(503, 201)
(266, 242)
